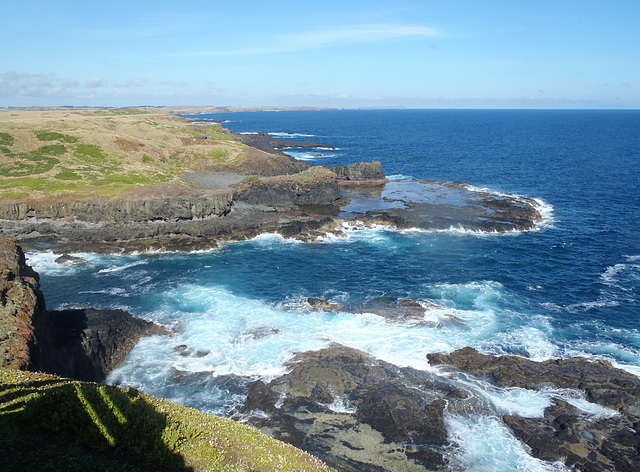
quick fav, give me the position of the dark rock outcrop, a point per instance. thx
(315, 186)
(265, 142)
(354, 411)
(89, 343)
(122, 210)
(589, 443)
(360, 171)
(84, 343)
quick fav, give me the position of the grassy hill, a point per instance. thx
(48, 423)
(103, 151)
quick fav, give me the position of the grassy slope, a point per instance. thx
(51, 423)
(79, 152)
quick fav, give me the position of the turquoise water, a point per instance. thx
(569, 288)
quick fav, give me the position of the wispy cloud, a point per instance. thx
(359, 34)
(342, 36)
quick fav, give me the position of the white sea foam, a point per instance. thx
(577, 399)
(617, 274)
(118, 268)
(281, 134)
(341, 405)
(485, 444)
(527, 403)
(45, 262)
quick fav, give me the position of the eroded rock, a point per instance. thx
(354, 411)
(609, 440)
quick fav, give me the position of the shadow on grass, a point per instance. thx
(61, 425)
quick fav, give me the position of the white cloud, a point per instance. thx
(94, 81)
(23, 84)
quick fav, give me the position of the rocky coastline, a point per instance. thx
(353, 411)
(360, 413)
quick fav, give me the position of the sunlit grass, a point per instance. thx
(51, 423)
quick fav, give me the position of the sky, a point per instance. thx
(344, 54)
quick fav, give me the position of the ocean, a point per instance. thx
(569, 288)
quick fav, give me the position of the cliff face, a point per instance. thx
(122, 210)
(359, 171)
(85, 344)
(315, 186)
(23, 319)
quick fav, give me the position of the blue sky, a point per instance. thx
(418, 54)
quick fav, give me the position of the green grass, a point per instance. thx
(6, 139)
(48, 424)
(67, 174)
(90, 153)
(38, 161)
(219, 154)
(44, 135)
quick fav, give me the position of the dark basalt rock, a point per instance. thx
(85, 344)
(608, 442)
(360, 171)
(265, 142)
(89, 343)
(355, 412)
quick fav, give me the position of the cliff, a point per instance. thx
(24, 324)
(315, 186)
(360, 171)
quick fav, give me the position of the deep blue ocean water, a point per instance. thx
(570, 288)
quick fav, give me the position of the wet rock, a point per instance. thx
(261, 332)
(68, 259)
(322, 304)
(89, 343)
(184, 376)
(265, 142)
(605, 441)
(601, 382)
(354, 411)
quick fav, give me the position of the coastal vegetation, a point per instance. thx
(103, 152)
(51, 423)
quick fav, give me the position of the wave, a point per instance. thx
(281, 134)
(484, 443)
(623, 273)
(119, 268)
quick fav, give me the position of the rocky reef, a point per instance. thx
(355, 412)
(265, 142)
(565, 433)
(360, 413)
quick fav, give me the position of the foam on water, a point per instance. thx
(485, 444)
(290, 135)
(310, 155)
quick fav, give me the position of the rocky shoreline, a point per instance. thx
(353, 411)
(360, 413)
